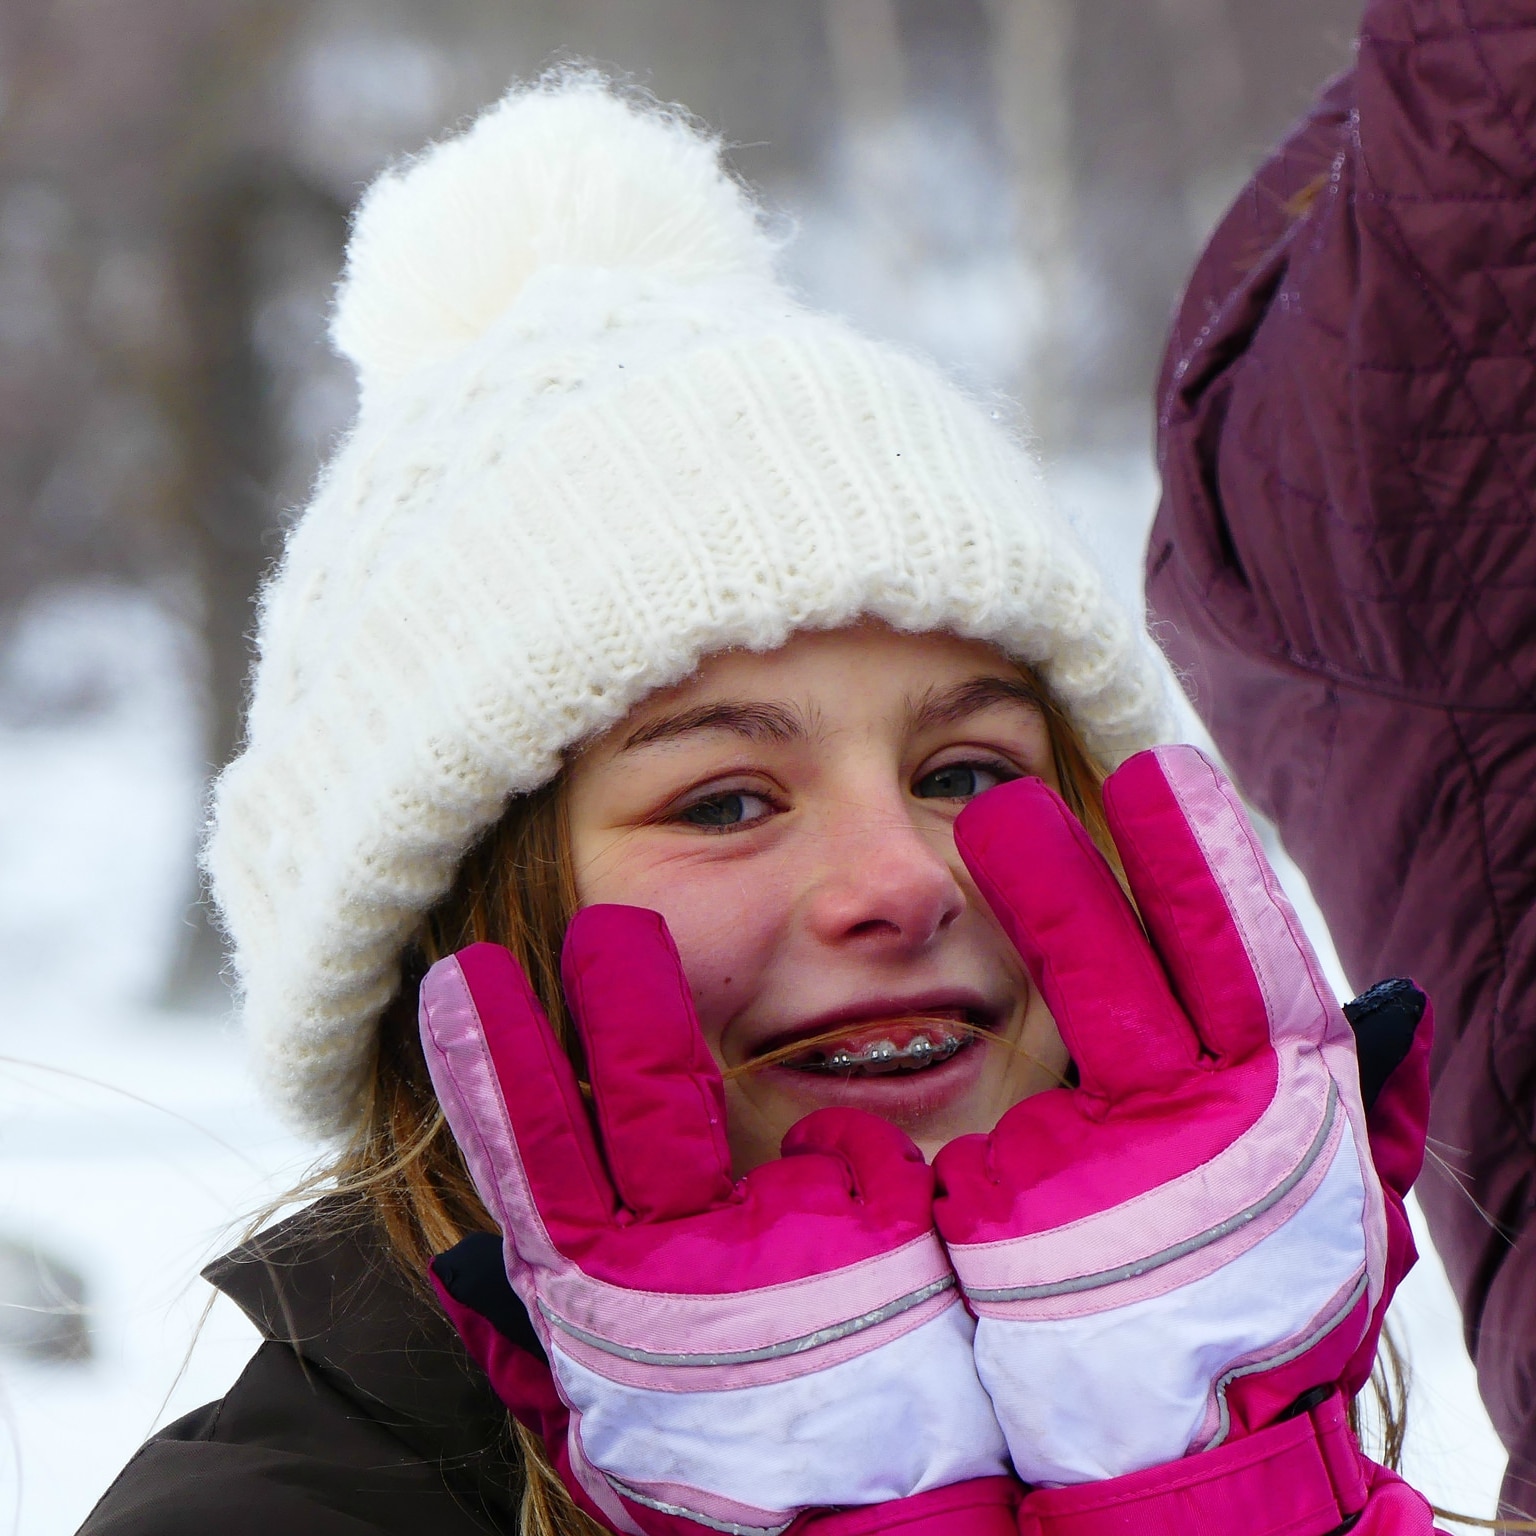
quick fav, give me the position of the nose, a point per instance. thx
(884, 885)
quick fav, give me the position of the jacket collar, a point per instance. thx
(323, 1282)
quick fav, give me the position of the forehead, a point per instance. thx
(814, 658)
(832, 676)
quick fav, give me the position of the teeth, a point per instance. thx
(886, 1055)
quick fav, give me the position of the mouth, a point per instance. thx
(898, 1044)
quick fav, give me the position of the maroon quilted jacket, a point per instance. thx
(1344, 568)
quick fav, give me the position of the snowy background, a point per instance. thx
(130, 1144)
(1015, 186)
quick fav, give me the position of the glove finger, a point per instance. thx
(1061, 906)
(1233, 948)
(657, 1091)
(511, 1099)
(885, 1168)
(963, 1180)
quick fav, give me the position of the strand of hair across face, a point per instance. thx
(839, 1033)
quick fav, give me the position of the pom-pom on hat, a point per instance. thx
(597, 441)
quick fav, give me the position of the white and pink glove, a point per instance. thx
(732, 1354)
(1193, 1240)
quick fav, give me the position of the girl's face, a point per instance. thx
(791, 816)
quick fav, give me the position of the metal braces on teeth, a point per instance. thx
(920, 1051)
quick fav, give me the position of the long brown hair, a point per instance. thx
(517, 887)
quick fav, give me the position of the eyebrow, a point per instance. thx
(764, 721)
(949, 706)
(754, 722)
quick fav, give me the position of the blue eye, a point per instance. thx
(725, 812)
(960, 781)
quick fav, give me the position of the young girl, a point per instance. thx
(701, 707)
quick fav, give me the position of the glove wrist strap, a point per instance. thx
(1302, 1477)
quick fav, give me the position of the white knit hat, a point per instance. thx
(596, 442)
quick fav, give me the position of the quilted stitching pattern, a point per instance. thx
(1344, 567)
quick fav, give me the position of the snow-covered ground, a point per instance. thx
(130, 1144)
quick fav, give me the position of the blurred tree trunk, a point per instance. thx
(868, 68)
(223, 403)
(1130, 124)
(1209, 89)
(1031, 58)
(137, 177)
(1134, 242)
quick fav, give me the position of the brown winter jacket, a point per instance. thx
(360, 1413)
(1344, 567)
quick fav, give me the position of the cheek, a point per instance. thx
(727, 949)
(727, 929)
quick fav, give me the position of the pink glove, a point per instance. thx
(730, 1354)
(1177, 1250)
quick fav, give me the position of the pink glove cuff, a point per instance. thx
(1304, 1476)
(985, 1506)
